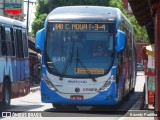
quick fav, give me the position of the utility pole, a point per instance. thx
(27, 16)
(156, 6)
(27, 24)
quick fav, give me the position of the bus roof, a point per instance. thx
(85, 13)
(11, 22)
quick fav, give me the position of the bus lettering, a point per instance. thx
(59, 26)
(103, 27)
(96, 27)
(67, 27)
(79, 27)
(74, 27)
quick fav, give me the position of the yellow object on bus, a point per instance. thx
(89, 70)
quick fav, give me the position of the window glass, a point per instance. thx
(0, 40)
(74, 53)
(25, 43)
(19, 43)
(9, 41)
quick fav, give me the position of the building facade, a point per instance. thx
(127, 6)
(12, 9)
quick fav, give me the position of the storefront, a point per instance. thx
(12, 9)
(35, 62)
(148, 99)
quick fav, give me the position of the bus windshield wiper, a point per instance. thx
(51, 65)
(82, 64)
(69, 61)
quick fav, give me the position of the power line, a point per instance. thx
(31, 2)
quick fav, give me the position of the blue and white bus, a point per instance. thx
(14, 61)
(74, 68)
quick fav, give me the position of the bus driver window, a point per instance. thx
(100, 49)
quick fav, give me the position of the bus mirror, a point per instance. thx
(40, 39)
(121, 40)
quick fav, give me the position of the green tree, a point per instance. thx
(140, 32)
(38, 23)
(42, 11)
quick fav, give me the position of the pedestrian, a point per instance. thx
(32, 75)
(35, 75)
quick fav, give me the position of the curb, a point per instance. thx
(35, 89)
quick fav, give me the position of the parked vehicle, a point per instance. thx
(140, 67)
(14, 66)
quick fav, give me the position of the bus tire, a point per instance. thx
(6, 94)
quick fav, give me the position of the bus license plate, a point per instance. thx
(76, 97)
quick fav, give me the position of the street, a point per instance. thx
(32, 102)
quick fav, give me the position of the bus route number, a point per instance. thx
(80, 26)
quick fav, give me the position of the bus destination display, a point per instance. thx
(81, 26)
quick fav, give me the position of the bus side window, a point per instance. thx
(13, 42)
(0, 40)
(3, 45)
(9, 41)
(20, 53)
(25, 43)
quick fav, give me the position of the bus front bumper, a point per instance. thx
(103, 98)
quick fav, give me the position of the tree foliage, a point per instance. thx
(140, 32)
(46, 6)
(42, 11)
(38, 23)
(56, 3)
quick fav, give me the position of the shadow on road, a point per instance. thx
(20, 108)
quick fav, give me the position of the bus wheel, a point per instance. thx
(6, 94)
(56, 105)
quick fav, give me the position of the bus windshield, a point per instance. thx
(79, 50)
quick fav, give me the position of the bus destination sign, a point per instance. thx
(81, 26)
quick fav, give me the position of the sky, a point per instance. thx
(32, 9)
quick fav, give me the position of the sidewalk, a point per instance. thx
(136, 114)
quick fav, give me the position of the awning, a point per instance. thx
(150, 50)
(143, 12)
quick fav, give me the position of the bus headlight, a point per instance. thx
(107, 84)
(49, 83)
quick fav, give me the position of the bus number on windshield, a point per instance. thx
(58, 59)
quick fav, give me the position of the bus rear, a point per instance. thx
(79, 63)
